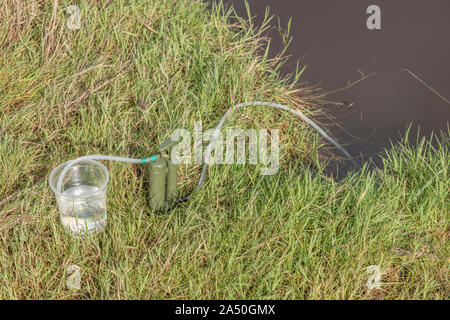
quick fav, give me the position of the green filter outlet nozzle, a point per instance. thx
(168, 144)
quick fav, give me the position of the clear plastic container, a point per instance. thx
(82, 201)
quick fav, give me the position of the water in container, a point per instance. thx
(82, 202)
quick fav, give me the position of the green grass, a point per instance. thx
(119, 86)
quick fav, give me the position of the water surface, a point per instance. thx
(332, 39)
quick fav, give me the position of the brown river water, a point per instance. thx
(332, 39)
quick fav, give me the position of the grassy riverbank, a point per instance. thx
(120, 85)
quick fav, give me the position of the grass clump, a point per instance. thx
(123, 83)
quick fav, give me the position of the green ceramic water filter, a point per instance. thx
(171, 179)
(157, 183)
(171, 187)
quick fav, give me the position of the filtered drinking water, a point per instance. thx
(82, 215)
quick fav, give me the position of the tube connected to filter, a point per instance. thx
(170, 170)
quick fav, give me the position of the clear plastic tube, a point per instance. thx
(272, 105)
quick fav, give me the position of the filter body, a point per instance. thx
(157, 183)
(171, 187)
